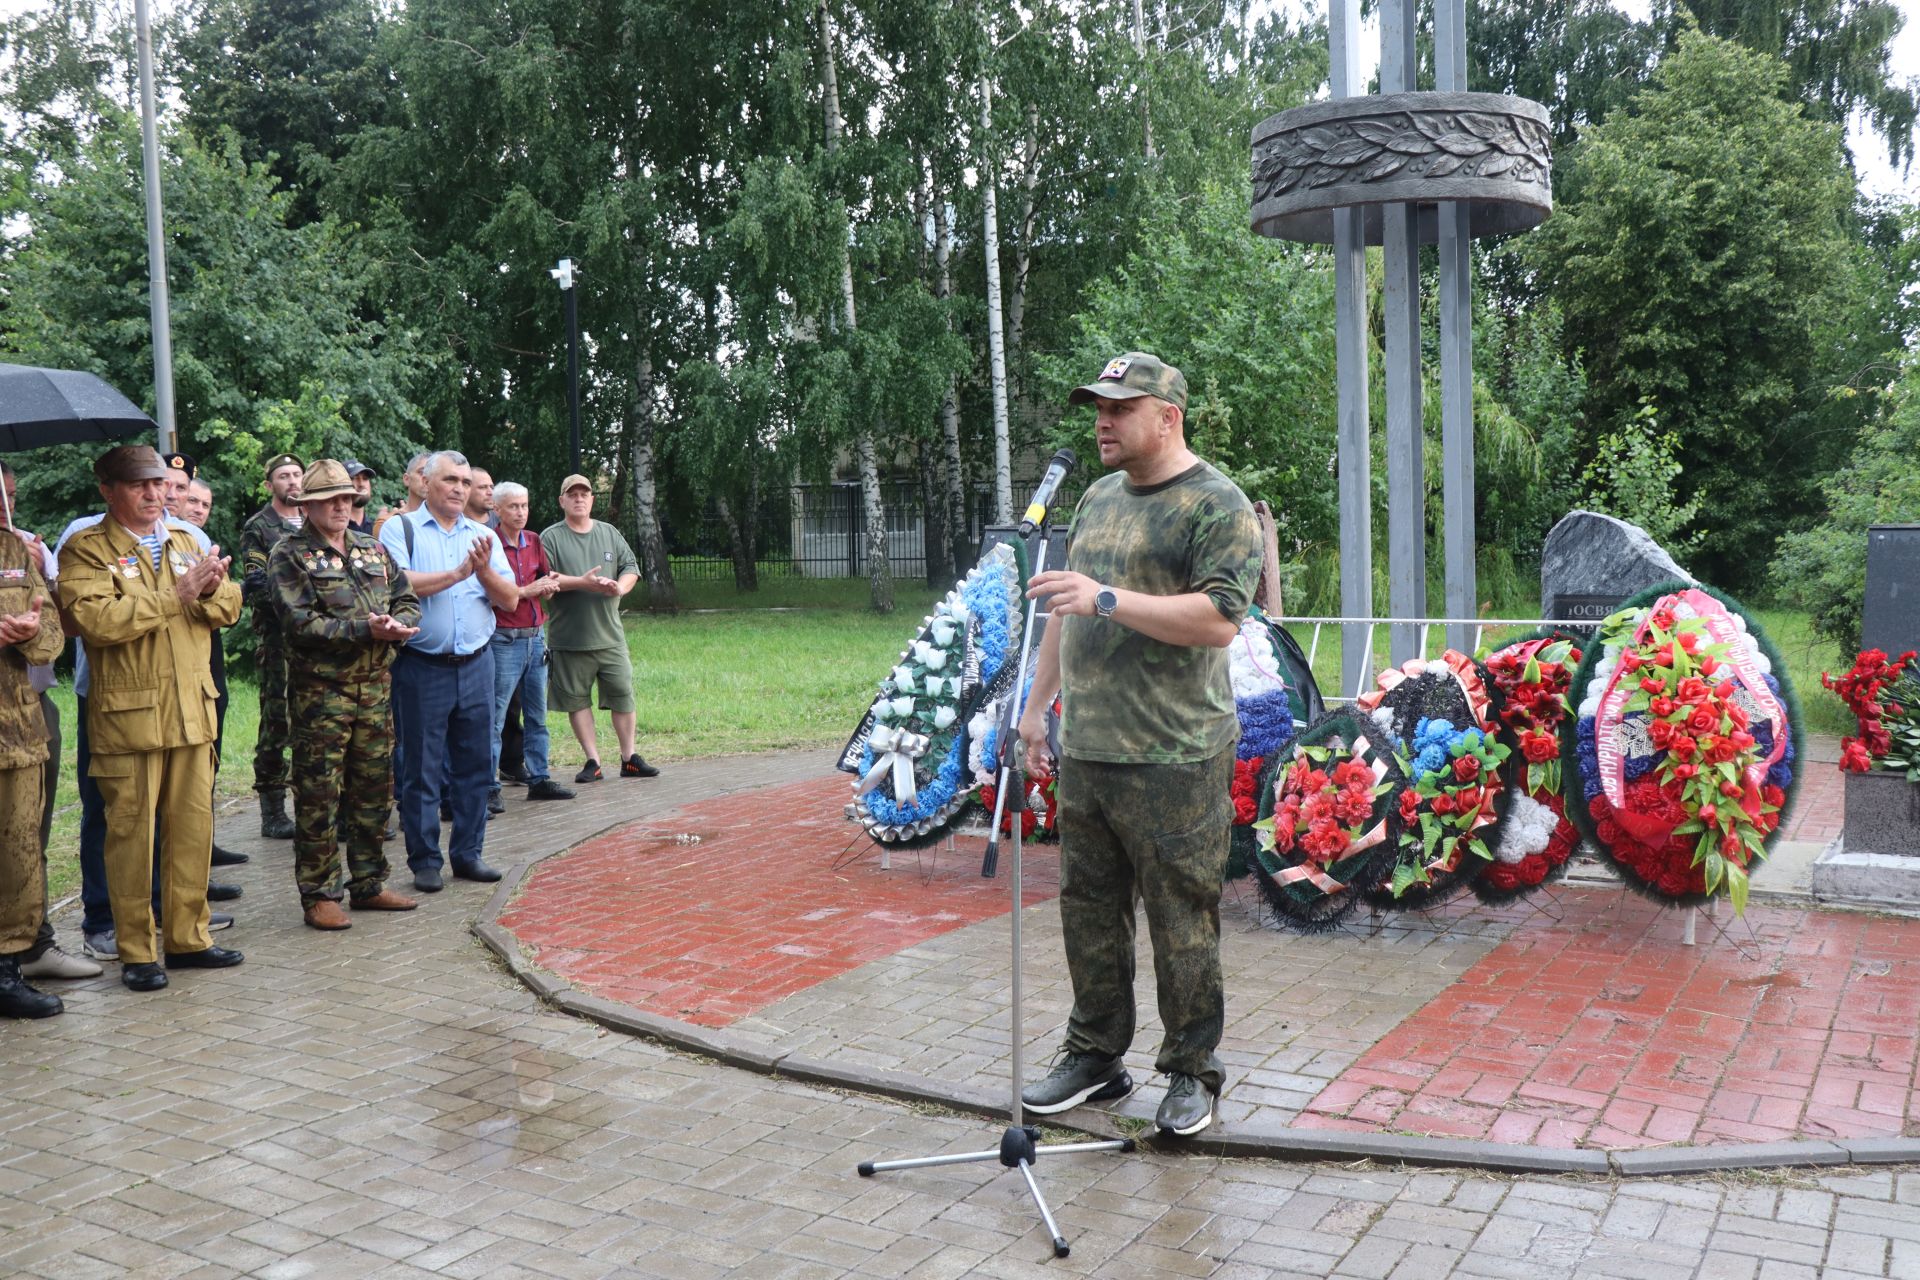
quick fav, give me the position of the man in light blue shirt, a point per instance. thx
(443, 677)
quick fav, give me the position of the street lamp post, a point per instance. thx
(563, 274)
(156, 235)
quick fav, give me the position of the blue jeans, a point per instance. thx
(443, 714)
(520, 665)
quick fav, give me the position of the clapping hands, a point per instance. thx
(384, 627)
(595, 582)
(18, 628)
(203, 578)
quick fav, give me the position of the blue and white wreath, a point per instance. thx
(913, 768)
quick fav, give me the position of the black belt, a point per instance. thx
(445, 659)
(516, 633)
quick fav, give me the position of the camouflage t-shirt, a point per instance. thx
(1130, 699)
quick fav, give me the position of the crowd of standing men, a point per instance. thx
(403, 667)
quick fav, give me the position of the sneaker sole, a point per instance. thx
(1190, 1130)
(1114, 1087)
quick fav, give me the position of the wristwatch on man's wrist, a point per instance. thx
(1105, 602)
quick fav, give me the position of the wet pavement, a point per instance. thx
(388, 1101)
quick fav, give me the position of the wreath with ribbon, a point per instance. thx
(1685, 743)
(1533, 676)
(1442, 716)
(1263, 706)
(1326, 822)
(910, 751)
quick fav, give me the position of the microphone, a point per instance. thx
(1057, 471)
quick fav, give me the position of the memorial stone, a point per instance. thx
(1890, 613)
(1592, 563)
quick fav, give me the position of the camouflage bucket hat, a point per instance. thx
(326, 479)
(1135, 374)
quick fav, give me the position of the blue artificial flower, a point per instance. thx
(1266, 725)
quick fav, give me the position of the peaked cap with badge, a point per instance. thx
(1132, 375)
(278, 461)
(180, 462)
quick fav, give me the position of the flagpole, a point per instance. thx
(156, 236)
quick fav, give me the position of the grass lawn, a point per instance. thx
(792, 666)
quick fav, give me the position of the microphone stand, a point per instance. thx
(1020, 1144)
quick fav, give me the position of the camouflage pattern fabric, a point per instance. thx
(1163, 828)
(342, 784)
(1130, 699)
(339, 691)
(23, 729)
(23, 892)
(262, 532)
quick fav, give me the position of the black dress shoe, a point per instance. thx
(427, 880)
(476, 871)
(548, 789)
(143, 977)
(18, 999)
(211, 958)
(217, 892)
(512, 777)
(228, 858)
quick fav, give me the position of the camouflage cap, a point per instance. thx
(326, 479)
(278, 461)
(1135, 374)
(129, 464)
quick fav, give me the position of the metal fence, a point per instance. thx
(819, 531)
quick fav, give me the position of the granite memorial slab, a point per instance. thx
(1592, 563)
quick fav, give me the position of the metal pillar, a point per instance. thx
(1456, 349)
(1406, 465)
(1350, 347)
(156, 235)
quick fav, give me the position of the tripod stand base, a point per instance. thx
(1019, 1147)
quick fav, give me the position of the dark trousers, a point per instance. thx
(443, 717)
(96, 909)
(1162, 828)
(50, 787)
(513, 740)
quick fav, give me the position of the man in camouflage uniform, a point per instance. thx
(346, 608)
(30, 636)
(1162, 558)
(265, 528)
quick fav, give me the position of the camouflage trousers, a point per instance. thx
(270, 749)
(23, 886)
(342, 783)
(1161, 829)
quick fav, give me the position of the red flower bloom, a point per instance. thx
(1723, 751)
(1692, 689)
(1709, 664)
(1443, 803)
(1662, 733)
(1663, 619)
(1731, 790)
(1709, 813)
(1705, 719)
(1539, 747)
(1682, 748)
(1466, 768)
(1854, 757)
(1687, 640)
(1664, 706)
(1686, 771)
(1409, 805)
(1653, 684)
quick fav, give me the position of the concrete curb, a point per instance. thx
(1255, 1142)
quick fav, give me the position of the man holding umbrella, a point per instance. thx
(146, 601)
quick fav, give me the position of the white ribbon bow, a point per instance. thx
(895, 749)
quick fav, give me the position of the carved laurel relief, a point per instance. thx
(1400, 145)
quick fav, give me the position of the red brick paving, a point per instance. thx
(1602, 1030)
(1819, 806)
(772, 900)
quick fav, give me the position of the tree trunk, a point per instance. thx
(879, 573)
(996, 336)
(1023, 251)
(661, 594)
(934, 536)
(740, 548)
(953, 476)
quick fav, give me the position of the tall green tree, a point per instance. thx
(1704, 265)
(272, 346)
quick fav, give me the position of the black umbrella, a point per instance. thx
(62, 406)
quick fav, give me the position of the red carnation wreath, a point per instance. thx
(1533, 676)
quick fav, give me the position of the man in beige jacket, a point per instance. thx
(146, 601)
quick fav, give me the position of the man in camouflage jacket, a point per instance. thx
(1162, 558)
(258, 537)
(30, 636)
(345, 607)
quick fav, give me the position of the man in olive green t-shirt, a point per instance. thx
(1162, 558)
(585, 642)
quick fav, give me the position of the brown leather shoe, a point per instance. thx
(385, 900)
(326, 914)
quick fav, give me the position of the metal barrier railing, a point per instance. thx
(1425, 626)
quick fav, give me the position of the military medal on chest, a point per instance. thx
(129, 567)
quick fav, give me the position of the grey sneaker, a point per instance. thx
(99, 946)
(1188, 1106)
(55, 963)
(1077, 1078)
